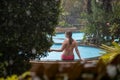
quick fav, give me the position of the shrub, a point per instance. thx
(26, 27)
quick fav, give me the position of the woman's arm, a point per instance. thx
(77, 51)
(56, 50)
(59, 50)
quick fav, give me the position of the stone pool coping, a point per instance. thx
(63, 29)
(58, 61)
(82, 44)
(52, 61)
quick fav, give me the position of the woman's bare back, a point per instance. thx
(68, 49)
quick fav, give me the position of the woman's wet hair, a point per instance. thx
(69, 34)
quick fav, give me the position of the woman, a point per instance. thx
(68, 47)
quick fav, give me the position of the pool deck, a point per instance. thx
(37, 64)
(40, 66)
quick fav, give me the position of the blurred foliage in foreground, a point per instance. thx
(26, 27)
(110, 52)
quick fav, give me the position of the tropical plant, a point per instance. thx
(110, 52)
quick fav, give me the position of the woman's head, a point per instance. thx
(68, 34)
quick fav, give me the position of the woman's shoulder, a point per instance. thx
(74, 40)
(65, 41)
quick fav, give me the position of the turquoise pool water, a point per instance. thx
(59, 37)
(85, 52)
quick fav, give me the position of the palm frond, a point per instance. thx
(110, 52)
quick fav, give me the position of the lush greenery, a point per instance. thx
(103, 20)
(26, 27)
(115, 22)
(99, 18)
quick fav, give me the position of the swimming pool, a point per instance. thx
(85, 51)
